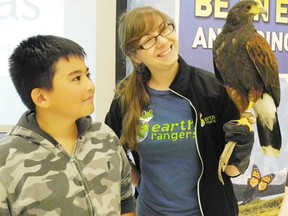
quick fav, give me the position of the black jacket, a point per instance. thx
(213, 108)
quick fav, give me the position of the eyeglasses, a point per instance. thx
(167, 30)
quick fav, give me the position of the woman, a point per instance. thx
(171, 116)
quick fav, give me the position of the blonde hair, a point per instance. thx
(133, 25)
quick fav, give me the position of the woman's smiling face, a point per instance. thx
(163, 53)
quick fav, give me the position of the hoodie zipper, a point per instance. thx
(196, 140)
(72, 159)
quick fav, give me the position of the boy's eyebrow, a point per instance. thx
(77, 72)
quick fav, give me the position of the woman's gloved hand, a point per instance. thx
(244, 139)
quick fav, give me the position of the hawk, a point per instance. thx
(245, 64)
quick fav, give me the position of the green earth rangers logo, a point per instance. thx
(207, 120)
(144, 126)
(169, 131)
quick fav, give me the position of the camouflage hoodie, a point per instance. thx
(37, 177)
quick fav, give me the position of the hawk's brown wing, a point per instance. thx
(265, 62)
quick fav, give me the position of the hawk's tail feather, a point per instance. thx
(270, 140)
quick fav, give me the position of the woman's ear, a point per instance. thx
(39, 98)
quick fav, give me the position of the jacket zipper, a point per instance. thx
(73, 160)
(201, 160)
(89, 201)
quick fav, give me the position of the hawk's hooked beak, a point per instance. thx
(263, 11)
(258, 8)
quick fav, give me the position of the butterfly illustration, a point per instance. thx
(260, 182)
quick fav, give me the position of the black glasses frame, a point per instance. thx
(156, 37)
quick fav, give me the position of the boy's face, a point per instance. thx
(72, 95)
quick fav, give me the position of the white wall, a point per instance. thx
(105, 55)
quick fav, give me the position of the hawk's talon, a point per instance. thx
(245, 121)
(247, 118)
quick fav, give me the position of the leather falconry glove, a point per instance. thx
(244, 139)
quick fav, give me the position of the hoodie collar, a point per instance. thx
(28, 121)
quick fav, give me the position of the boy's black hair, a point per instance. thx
(31, 64)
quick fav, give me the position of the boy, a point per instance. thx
(54, 161)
